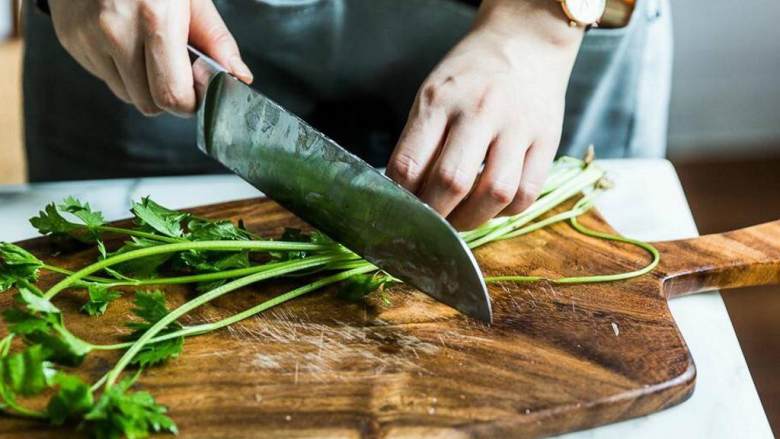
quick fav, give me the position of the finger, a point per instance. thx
(453, 175)
(167, 63)
(538, 160)
(103, 67)
(209, 34)
(420, 140)
(114, 82)
(496, 186)
(131, 63)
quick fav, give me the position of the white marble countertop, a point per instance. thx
(646, 203)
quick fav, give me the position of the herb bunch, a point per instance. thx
(166, 247)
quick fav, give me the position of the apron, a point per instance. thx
(351, 68)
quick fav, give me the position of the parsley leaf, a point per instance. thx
(99, 298)
(361, 285)
(150, 307)
(50, 221)
(120, 413)
(26, 372)
(17, 265)
(91, 219)
(200, 229)
(35, 303)
(72, 400)
(162, 220)
(38, 326)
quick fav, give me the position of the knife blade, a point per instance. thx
(337, 192)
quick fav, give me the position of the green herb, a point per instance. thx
(26, 372)
(99, 298)
(160, 219)
(18, 267)
(121, 413)
(72, 401)
(93, 220)
(357, 287)
(150, 307)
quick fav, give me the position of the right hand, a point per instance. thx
(139, 47)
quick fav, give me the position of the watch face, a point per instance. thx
(585, 12)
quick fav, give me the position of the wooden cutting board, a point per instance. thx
(557, 358)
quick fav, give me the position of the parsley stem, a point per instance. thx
(583, 203)
(588, 177)
(263, 306)
(172, 316)
(140, 234)
(178, 247)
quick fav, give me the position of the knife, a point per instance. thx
(335, 191)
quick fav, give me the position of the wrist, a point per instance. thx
(541, 20)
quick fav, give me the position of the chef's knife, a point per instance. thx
(336, 192)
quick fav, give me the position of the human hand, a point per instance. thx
(139, 47)
(496, 99)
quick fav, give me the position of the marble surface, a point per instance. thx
(646, 203)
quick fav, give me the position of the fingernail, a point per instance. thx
(240, 69)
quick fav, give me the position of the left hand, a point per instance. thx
(496, 99)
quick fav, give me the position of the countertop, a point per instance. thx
(647, 203)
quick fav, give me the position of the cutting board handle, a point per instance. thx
(742, 258)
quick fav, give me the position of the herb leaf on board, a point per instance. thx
(17, 266)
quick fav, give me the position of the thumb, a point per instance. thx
(209, 34)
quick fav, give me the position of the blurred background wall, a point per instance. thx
(726, 90)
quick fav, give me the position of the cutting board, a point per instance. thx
(556, 359)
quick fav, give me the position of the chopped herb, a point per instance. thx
(99, 298)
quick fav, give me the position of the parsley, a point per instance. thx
(158, 218)
(17, 266)
(73, 399)
(361, 285)
(51, 222)
(82, 211)
(150, 307)
(26, 372)
(40, 322)
(120, 413)
(99, 298)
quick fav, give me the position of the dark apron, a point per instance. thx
(349, 67)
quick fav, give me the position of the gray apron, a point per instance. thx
(349, 67)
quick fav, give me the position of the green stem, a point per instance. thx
(588, 177)
(178, 247)
(66, 272)
(278, 300)
(139, 234)
(656, 258)
(290, 267)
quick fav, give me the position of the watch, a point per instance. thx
(586, 13)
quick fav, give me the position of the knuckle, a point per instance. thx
(169, 98)
(405, 168)
(107, 27)
(500, 192)
(525, 197)
(151, 13)
(454, 181)
(432, 95)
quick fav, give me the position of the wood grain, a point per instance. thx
(557, 358)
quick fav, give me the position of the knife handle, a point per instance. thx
(741, 258)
